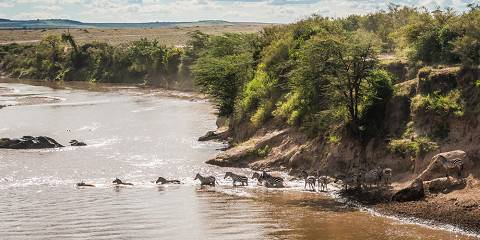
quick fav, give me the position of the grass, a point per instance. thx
(168, 36)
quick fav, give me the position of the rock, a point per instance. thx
(76, 143)
(29, 142)
(435, 170)
(210, 135)
(414, 192)
(221, 135)
(444, 185)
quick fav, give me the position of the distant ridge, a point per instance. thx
(66, 23)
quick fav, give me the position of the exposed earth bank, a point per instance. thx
(415, 129)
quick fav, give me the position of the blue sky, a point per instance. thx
(282, 11)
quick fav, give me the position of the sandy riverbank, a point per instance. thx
(459, 208)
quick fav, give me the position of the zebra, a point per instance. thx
(209, 180)
(258, 176)
(270, 181)
(83, 184)
(348, 180)
(309, 180)
(454, 164)
(323, 183)
(387, 176)
(237, 178)
(371, 177)
(162, 180)
(120, 182)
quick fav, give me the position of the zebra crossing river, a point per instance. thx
(138, 135)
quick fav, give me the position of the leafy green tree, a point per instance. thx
(223, 67)
(354, 58)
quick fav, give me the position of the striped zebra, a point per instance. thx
(83, 184)
(323, 183)
(309, 180)
(237, 178)
(455, 164)
(269, 180)
(209, 180)
(120, 182)
(387, 176)
(371, 177)
(256, 175)
(352, 180)
(162, 180)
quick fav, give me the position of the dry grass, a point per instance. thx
(176, 36)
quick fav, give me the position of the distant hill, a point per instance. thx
(65, 23)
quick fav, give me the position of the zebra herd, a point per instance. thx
(366, 178)
(360, 178)
(263, 178)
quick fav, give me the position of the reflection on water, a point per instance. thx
(134, 134)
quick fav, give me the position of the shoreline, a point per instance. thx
(106, 87)
(456, 211)
(435, 213)
(431, 212)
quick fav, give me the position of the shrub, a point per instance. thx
(443, 105)
(263, 152)
(417, 146)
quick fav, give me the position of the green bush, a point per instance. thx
(443, 105)
(417, 146)
(263, 152)
(135, 62)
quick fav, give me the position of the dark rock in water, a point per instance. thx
(210, 135)
(414, 192)
(29, 142)
(75, 143)
(221, 135)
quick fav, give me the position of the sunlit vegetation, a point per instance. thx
(319, 74)
(60, 58)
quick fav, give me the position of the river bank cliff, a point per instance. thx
(415, 130)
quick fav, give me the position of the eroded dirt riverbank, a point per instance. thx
(138, 137)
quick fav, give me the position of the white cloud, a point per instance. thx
(191, 10)
(6, 5)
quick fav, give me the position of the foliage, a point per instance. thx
(375, 100)
(442, 105)
(412, 146)
(263, 152)
(59, 57)
(319, 74)
(223, 67)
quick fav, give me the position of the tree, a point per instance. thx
(223, 67)
(353, 60)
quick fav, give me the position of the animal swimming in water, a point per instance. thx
(83, 184)
(162, 180)
(120, 182)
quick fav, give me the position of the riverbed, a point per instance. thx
(137, 135)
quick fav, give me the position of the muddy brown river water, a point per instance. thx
(137, 135)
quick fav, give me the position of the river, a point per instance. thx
(137, 135)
